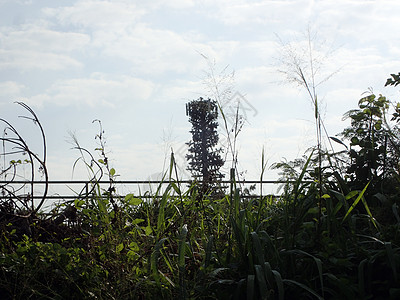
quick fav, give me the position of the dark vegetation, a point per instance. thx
(332, 234)
(204, 158)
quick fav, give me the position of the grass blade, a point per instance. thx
(361, 277)
(318, 262)
(304, 287)
(182, 246)
(208, 251)
(395, 208)
(161, 213)
(155, 255)
(389, 250)
(360, 195)
(250, 286)
(262, 284)
(301, 176)
(181, 261)
(259, 254)
(272, 251)
(279, 283)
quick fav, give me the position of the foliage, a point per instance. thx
(14, 144)
(368, 135)
(319, 239)
(394, 80)
(374, 153)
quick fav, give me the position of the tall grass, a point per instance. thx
(178, 246)
(316, 241)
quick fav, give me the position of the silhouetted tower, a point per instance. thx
(204, 157)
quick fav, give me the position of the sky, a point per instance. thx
(134, 65)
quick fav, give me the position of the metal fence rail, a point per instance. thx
(86, 186)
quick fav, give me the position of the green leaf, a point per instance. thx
(155, 255)
(395, 212)
(137, 221)
(175, 187)
(135, 201)
(268, 273)
(78, 203)
(132, 200)
(338, 141)
(112, 172)
(250, 286)
(354, 141)
(361, 277)
(299, 180)
(259, 254)
(119, 248)
(369, 212)
(182, 247)
(208, 251)
(351, 194)
(102, 206)
(161, 220)
(147, 230)
(313, 210)
(311, 291)
(356, 201)
(134, 246)
(262, 284)
(391, 257)
(279, 282)
(317, 261)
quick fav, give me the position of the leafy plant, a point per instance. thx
(15, 144)
(321, 238)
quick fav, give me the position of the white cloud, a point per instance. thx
(10, 89)
(25, 60)
(117, 31)
(138, 160)
(106, 15)
(259, 13)
(180, 90)
(175, 4)
(154, 51)
(16, 1)
(39, 48)
(364, 21)
(95, 91)
(39, 38)
(287, 139)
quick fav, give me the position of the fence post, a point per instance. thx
(87, 191)
(232, 182)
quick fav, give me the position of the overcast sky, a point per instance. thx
(135, 64)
